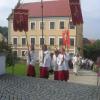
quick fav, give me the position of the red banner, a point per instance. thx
(66, 38)
(74, 1)
(76, 12)
(20, 20)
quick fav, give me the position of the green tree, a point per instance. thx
(97, 44)
(4, 31)
(92, 51)
(5, 48)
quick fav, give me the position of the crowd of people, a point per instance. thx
(59, 62)
(56, 61)
(87, 64)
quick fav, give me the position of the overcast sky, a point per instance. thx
(90, 11)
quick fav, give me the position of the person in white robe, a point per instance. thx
(76, 62)
(55, 66)
(31, 61)
(45, 63)
(63, 67)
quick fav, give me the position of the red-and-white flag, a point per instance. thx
(76, 12)
(66, 38)
(20, 20)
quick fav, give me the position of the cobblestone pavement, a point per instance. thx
(29, 88)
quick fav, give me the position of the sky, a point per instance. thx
(90, 12)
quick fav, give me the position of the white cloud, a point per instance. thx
(91, 8)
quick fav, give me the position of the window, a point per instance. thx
(23, 53)
(62, 25)
(23, 41)
(72, 41)
(71, 25)
(41, 25)
(15, 54)
(41, 41)
(60, 41)
(51, 41)
(52, 25)
(32, 41)
(14, 41)
(33, 25)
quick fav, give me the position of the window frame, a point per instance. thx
(73, 41)
(21, 53)
(34, 39)
(52, 38)
(40, 40)
(40, 25)
(72, 26)
(50, 25)
(60, 24)
(59, 41)
(13, 40)
(34, 26)
(25, 41)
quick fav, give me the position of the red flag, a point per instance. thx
(76, 12)
(20, 20)
(66, 38)
(74, 1)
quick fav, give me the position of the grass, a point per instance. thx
(20, 69)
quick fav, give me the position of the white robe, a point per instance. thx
(32, 57)
(54, 62)
(62, 62)
(66, 60)
(46, 62)
(59, 62)
(40, 57)
(75, 64)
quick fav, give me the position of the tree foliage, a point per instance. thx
(4, 31)
(92, 51)
(5, 48)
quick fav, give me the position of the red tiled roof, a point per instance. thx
(50, 8)
(92, 41)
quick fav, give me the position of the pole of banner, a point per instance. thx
(42, 28)
(28, 46)
(76, 50)
(42, 22)
(68, 25)
(68, 31)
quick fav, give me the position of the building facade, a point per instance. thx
(56, 18)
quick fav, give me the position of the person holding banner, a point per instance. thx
(31, 60)
(55, 66)
(63, 68)
(45, 62)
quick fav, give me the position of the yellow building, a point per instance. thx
(56, 19)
